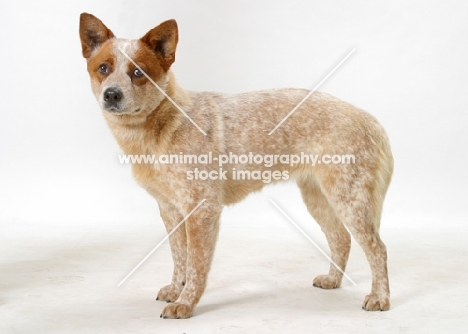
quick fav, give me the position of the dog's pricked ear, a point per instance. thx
(163, 40)
(92, 33)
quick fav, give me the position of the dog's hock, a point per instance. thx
(163, 41)
(92, 33)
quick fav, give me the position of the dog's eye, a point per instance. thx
(137, 73)
(103, 69)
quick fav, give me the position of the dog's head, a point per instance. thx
(124, 72)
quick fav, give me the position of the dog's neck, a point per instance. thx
(150, 133)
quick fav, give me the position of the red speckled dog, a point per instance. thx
(144, 121)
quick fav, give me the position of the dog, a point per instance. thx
(149, 113)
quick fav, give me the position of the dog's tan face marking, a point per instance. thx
(110, 68)
(120, 87)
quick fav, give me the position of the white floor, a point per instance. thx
(63, 279)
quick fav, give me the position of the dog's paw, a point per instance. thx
(169, 293)
(373, 302)
(326, 282)
(177, 311)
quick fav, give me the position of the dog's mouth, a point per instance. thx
(113, 109)
(118, 110)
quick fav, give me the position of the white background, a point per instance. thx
(58, 161)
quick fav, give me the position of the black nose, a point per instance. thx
(112, 96)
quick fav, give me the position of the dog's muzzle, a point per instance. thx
(112, 98)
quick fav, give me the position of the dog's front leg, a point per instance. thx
(202, 231)
(171, 217)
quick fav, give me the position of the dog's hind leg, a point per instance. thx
(202, 232)
(357, 198)
(178, 241)
(360, 223)
(337, 236)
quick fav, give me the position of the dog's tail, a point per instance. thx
(383, 174)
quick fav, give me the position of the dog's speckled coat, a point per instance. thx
(143, 121)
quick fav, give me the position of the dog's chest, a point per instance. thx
(163, 181)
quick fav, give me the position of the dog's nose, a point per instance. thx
(112, 95)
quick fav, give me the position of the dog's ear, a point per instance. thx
(163, 40)
(92, 33)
